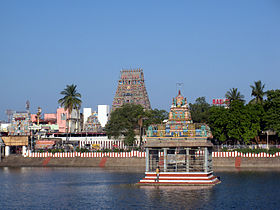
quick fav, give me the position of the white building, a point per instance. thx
(103, 114)
(86, 112)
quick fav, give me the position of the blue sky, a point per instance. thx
(210, 46)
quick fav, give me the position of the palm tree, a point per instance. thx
(71, 100)
(233, 94)
(258, 92)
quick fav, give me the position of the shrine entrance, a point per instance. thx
(180, 159)
(181, 162)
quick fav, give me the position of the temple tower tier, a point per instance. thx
(131, 89)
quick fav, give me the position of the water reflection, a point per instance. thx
(189, 197)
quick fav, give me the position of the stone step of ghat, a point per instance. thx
(186, 178)
(177, 178)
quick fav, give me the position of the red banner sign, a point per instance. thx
(220, 101)
(46, 142)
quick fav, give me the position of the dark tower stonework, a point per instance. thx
(131, 89)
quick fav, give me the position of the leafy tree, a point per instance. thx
(200, 110)
(234, 95)
(218, 120)
(257, 92)
(71, 99)
(271, 106)
(241, 123)
(129, 138)
(244, 122)
(256, 114)
(155, 116)
(123, 122)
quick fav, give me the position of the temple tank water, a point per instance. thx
(98, 188)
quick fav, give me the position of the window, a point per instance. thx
(63, 116)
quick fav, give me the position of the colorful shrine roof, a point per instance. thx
(93, 124)
(179, 124)
(20, 124)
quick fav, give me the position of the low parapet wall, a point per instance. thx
(143, 154)
(134, 163)
(87, 154)
(246, 162)
(239, 154)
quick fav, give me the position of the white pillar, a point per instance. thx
(7, 150)
(24, 151)
(147, 159)
(165, 159)
(187, 159)
(205, 159)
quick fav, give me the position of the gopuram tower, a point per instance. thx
(131, 89)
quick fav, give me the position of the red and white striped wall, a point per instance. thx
(239, 154)
(143, 154)
(87, 154)
(179, 178)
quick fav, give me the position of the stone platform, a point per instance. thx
(179, 178)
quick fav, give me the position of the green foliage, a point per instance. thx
(218, 121)
(155, 116)
(258, 92)
(129, 138)
(128, 118)
(107, 150)
(244, 122)
(81, 149)
(234, 95)
(55, 150)
(117, 150)
(240, 122)
(123, 121)
(71, 99)
(272, 108)
(200, 110)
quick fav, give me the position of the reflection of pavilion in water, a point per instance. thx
(184, 197)
(180, 149)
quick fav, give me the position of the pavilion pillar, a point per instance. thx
(187, 159)
(7, 151)
(147, 159)
(205, 159)
(24, 151)
(165, 160)
(159, 155)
